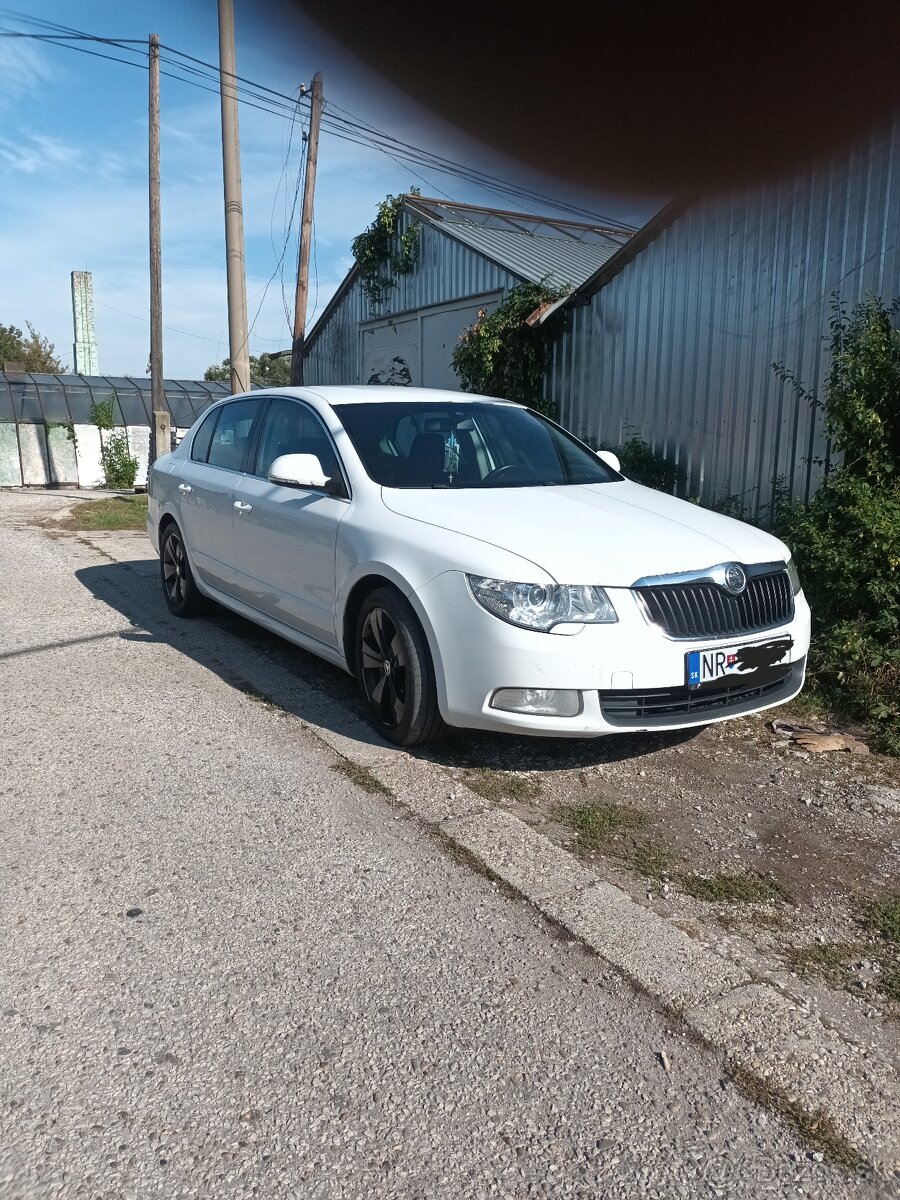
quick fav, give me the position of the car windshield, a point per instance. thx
(431, 445)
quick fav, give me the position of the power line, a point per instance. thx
(347, 127)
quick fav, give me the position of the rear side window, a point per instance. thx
(203, 437)
(232, 435)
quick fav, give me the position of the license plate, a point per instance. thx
(754, 663)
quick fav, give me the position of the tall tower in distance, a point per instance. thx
(85, 348)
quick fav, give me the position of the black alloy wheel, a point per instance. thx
(179, 588)
(395, 672)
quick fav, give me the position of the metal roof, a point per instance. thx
(533, 247)
(35, 399)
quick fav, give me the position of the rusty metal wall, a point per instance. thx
(446, 271)
(677, 347)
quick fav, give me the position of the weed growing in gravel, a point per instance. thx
(743, 888)
(257, 697)
(649, 860)
(883, 918)
(595, 824)
(501, 785)
(828, 959)
(890, 985)
(816, 1129)
(362, 777)
(768, 919)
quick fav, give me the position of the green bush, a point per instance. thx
(847, 540)
(381, 253)
(644, 465)
(103, 412)
(500, 355)
(119, 465)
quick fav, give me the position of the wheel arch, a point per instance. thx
(165, 521)
(355, 600)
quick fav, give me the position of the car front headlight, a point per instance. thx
(793, 575)
(540, 606)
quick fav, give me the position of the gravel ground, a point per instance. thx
(229, 972)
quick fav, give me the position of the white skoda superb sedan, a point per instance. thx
(474, 565)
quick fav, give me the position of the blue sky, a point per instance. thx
(73, 157)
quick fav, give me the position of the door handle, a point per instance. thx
(243, 507)
(185, 487)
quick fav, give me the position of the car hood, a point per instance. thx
(609, 534)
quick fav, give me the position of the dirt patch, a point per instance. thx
(732, 830)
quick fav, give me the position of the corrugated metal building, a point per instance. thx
(673, 338)
(469, 257)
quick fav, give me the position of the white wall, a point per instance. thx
(40, 456)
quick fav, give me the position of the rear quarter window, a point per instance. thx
(203, 437)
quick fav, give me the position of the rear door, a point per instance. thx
(208, 478)
(285, 537)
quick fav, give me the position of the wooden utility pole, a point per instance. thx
(238, 335)
(309, 186)
(157, 390)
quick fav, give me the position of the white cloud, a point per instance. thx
(23, 68)
(30, 153)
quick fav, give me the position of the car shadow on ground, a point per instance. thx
(270, 669)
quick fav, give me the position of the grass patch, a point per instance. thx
(767, 919)
(362, 777)
(832, 961)
(501, 785)
(890, 985)
(649, 860)
(596, 824)
(816, 1128)
(828, 959)
(745, 887)
(883, 918)
(112, 513)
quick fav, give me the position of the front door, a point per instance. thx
(285, 538)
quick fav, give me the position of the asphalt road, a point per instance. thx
(227, 971)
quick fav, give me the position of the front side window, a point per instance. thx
(232, 435)
(290, 428)
(473, 445)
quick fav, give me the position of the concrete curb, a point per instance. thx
(768, 1038)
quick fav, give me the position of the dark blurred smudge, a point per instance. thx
(644, 98)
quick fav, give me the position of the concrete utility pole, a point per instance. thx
(157, 391)
(238, 335)
(302, 296)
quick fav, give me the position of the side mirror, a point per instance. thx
(611, 460)
(298, 471)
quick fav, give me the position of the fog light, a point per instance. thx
(538, 702)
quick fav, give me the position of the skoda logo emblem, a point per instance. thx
(735, 579)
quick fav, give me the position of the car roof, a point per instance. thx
(332, 397)
(385, 394)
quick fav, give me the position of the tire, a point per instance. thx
(179, 588)
(395, 672)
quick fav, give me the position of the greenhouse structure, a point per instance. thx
(48, 436)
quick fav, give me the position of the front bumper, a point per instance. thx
(631, 676)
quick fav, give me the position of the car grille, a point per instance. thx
(695, 610)
(671, 706)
